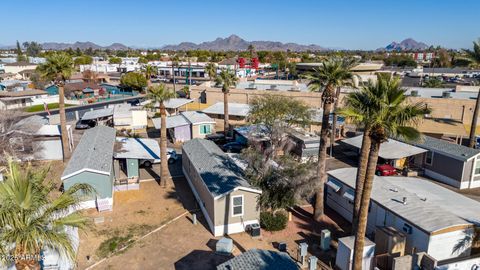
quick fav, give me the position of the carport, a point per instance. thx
(102, 116)
(393, 152)
(128, 154)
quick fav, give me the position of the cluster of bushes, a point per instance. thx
(273, 221)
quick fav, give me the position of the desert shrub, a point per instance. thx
(273, 221)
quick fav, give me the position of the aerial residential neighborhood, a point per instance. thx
(319, 135)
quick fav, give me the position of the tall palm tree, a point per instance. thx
(175, 61)
(211, 70)
(474, 56)
(227, 79)
(32, 219)
(159, 94)
(149, 71)
(58, 68)
(386, 113)
(333, 73)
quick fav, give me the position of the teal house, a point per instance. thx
(92, 163)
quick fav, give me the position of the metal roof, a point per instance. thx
(259, 259)
(95, 114)
(195, 117)
(391, 149)
(137, 148)
(172, 121)
(429, 206)
(235, 109)
(94, 152)
(438, 92)
(218, 171)
(453, 150)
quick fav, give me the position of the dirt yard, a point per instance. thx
(135, 213)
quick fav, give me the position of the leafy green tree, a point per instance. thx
(20, 56)
(186, 91)
(277, 114)
(83, 60)
(474, 56)
(115, 60)
(143, 60)
(159, 94)
(32, 48)
(78, 52)
(227, 79)
(384, 110)
(134, 80)
(58, 68)
(332, 74)
(433, 83)
(89, 51)
(32, 218)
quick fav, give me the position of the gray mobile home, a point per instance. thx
(227, 200)
(92, 163)
(450, 163)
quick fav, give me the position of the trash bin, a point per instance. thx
(255, 230)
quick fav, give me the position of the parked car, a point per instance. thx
(233, 147)
(385, 170)
(217, 138)
(135, 102)
(85, 124)
(172, 157)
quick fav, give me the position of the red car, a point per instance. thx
(385, 170)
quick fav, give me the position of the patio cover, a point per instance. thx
(391, 149)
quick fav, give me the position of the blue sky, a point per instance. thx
(346, 24)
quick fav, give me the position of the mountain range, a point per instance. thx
(78, 44)
(236, 43)
(408, 44)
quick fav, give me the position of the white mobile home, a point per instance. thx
(434, 219)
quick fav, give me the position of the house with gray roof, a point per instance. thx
(237, 112)
(433, 218)
(227, 200)
(449, 163)
(187, 125)
(259, 259)
(92, 163)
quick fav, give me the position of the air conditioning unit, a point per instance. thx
(414, 93)
(446, 94)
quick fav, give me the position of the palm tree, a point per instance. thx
(211, 70)
(58, 68)
(227, 79)
(175, 61)
(333, 73)
(149, 71)
(386, 114)
(159, 94)
(32, 219)
(474, 56)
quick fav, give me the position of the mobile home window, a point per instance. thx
(237, 205)
(429, 158)
(477, 166)
(205, 129)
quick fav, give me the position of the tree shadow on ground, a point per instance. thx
(201, 259)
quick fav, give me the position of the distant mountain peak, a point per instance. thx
(82, 45)
(408, 44)
(236, 43)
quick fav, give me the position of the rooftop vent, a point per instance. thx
(273, 87)
(394, 189)
(404, 200)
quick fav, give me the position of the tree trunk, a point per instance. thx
(322, 160)
(27, 265)
(473, 128)
(226, 125)
(164, 173)
(364, 207)
(334, 121)
(63, 123)
(360, 181)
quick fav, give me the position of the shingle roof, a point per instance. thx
(429, 206)
(258, 259)
(197, 117)
(218, 171)
(94, 152)
(24, 93)
(456, 151)
(235, 109)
